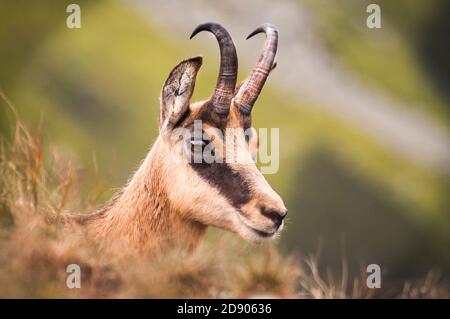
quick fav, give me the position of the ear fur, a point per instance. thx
(177, 91)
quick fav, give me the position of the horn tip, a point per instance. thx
(194, 33)
(265, 27)
(255, 32)
(205, 26)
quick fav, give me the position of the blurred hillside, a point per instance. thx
(372, 189)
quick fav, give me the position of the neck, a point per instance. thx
(141, 213)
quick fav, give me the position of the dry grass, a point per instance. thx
(37, 243)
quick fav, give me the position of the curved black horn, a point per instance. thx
(226, 81)
(249, 91)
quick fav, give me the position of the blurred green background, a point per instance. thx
(355, 190)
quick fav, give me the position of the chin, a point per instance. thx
(254, 234)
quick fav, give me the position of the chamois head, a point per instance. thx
(207, 148)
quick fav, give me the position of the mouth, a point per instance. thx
(260, 233)
(263, 234)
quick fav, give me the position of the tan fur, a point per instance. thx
(167, 203)
(143, 214)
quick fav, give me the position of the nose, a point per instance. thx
(275, 215)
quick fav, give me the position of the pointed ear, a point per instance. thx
(177, 91)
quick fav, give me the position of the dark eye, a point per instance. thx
(199, 148)
(197, 145)
(248, 134)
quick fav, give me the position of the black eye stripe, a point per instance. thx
(230, 184)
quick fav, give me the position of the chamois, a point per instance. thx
(170, 200)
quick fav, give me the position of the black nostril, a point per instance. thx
(276, 216)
